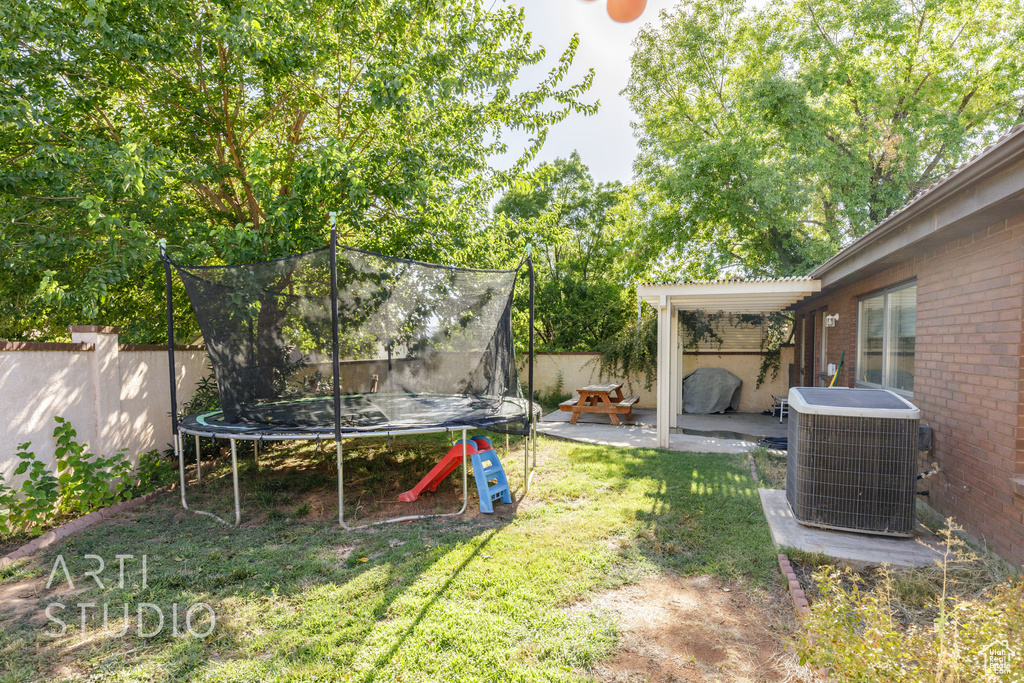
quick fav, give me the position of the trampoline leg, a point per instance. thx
(341, 488)
(526, 463)
(234, 477)
(181, 468)
(199, 465)
(465, 476)
(534, 443)
(256, 454)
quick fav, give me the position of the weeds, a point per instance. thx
(771, 467)
(939, 624)
(83, 482)
(555, 395)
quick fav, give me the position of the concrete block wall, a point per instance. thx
(969, 378)
(115, 396)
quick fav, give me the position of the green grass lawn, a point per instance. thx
(480, 598)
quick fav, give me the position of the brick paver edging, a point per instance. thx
(76, 525)
(795, 591)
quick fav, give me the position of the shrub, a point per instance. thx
(205, 398)
(154, 471)
(555, 395)
(34, 504)
(83, 483)
(88, 482)
(860, 631)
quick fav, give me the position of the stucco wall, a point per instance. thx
(116, 397)
(747, 367)
(35, 386)
(146, 396)
(580, 369)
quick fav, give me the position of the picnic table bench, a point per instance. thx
(601, 398)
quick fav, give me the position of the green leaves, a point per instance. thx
(35, 501)
(771, 138)
(580, 254)
(230, 129)
(85, 482)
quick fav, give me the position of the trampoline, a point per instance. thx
(342, 343)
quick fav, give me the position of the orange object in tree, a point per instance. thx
(626, 10)
(441, 470)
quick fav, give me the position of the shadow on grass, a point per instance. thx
(269, 571)
(304, 478)
(397, 645)
(696, 513)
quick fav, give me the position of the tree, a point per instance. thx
(231, 128)
(771, 138)
(580, 253)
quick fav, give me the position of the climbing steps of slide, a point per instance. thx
(487, 468)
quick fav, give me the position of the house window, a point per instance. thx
(886, 332)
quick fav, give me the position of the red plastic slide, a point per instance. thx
(439, 472)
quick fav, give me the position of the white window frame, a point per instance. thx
(823, 378)
(885, 338)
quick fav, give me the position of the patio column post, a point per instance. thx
(664, 369)
(676, 365)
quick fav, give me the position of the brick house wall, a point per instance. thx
(969, 375)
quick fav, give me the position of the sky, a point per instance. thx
(604, 141)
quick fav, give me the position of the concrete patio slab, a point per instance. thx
(749, 426)
(856, 550)
(598, 430)
(720, 433)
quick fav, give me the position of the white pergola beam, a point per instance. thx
(664, 370)
(675, 369)
(728, 296)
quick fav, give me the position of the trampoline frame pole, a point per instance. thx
(341, 488)
(465, 475)
(534, 447)
(234, 481)
(169, 299)
(526, 464)
(529, 384)
(180, 452)
(199, 465)
(336, 368)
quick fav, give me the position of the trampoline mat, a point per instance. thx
(364, 412)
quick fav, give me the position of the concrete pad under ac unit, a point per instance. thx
(857, 550)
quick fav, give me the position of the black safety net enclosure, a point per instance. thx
(419, 345)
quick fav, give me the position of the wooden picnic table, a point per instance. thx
(601, 398)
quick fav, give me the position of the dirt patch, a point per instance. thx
(698, 629)
(28, 598)
(21, 598)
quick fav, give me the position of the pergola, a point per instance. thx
(759, 296)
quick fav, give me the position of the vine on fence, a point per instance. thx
(634, 351)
